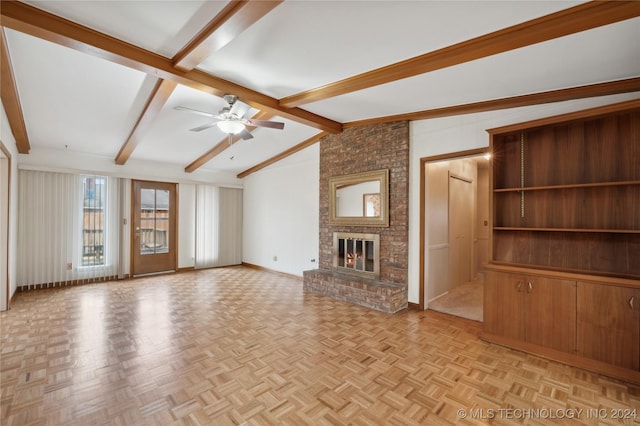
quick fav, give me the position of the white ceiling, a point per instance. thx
(81, 103)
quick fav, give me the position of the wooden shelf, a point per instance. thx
(571, 186)
(565, 208)
(628, 280)
(602, 231)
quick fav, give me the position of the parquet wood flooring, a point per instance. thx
(236, 345)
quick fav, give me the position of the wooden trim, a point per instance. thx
(456, 155)
(176, 230)
(580, 92)
(11, 98)
(38, 23)
(556, 274)
(423, 227)
(302, 145)
(235, 18)
(576, 115)
(272, 271)
(621, 373)
(159, 96)
(186, 269)
(565, 22)
(222, 145)
(414, 307)
(423, 188)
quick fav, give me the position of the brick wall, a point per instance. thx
(361, 149)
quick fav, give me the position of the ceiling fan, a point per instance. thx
(231, 120)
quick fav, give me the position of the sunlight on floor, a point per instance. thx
(463, 301)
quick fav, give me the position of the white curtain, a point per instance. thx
(218, 226)
(50, 229)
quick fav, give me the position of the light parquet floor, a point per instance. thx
(240, 346)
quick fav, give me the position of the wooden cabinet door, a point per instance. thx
(504, 305)
(609, 324)
(551, 313)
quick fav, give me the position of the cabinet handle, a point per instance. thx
(529, 287)
(519, 286)
(631, 302)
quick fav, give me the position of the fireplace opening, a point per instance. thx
(356, 254)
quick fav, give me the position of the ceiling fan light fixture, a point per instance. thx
(229, 126)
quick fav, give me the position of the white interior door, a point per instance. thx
(460, 230)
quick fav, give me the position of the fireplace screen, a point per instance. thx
(356, 253)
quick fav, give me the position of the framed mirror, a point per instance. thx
(360, 199)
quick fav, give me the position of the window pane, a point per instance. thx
(94, 196)
(154, 221)
(162, 221)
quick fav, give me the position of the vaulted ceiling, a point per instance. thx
(104, 77)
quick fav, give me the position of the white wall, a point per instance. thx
(460, 133)
(62, 161)
(281, 214)
(10, 143)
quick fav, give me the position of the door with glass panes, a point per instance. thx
(153, 227)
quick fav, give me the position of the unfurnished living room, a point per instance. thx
(311, 212)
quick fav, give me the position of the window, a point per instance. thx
(94, 190)
(154, 221)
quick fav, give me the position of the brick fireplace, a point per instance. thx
(356, 150)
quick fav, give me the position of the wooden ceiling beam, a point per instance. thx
(235, 18)
(284, 154)
(628, 85)
(11, 99)
(38, 23)
(575, 19)
(159, 96)
(222, 145)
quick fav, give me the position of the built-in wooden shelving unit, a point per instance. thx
(565, 235)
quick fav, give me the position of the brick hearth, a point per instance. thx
(374, 294)
(355, 150)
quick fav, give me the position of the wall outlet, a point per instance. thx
(69, 266)
(275, 258)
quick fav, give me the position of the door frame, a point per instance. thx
(6, 192)
(172, 237)
(423, 223)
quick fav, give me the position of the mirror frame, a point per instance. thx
(336, 182)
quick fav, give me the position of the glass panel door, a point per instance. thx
(154, 221)
(153, 227)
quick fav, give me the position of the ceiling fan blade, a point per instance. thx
(265, 123)
(203, 127)
(239, 109)
(245, 134)
(195, 111)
